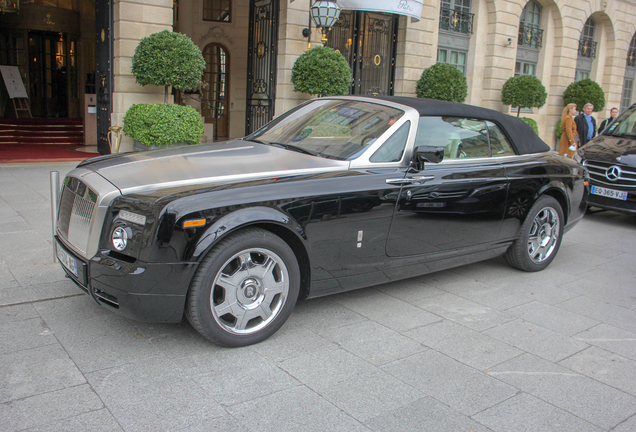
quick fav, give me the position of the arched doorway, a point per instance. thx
(215, 92)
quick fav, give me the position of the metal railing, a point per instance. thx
(455, 21)
(587, 48)
(631, 57)
(530, 36)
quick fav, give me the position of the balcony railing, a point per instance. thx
(587, 48)
(530, 36)
(631, 57)
(455, 21)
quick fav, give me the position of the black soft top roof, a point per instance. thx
(525, 140)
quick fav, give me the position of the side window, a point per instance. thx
(498, 142)
(393, 148)
(460, 137)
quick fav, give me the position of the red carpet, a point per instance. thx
(41, 153)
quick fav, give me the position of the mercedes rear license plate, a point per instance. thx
(67, 261)
(609, 193)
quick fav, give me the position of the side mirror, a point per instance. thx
(423, 154)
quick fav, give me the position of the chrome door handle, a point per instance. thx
(409, 180)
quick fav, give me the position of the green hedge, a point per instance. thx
(163, 125)
(442, 81)
(168, 59)
(582, 92)
(321, 71)
(558, 130)
(532, 123)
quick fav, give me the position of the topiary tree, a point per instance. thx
(524, 91)
(168, 59)
(321, 71)
(163, 125)
(442, 81)
(585, 91)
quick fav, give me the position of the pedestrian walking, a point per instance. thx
(570, 138)
(586, 124)
(607, 121)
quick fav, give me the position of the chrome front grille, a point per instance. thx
(76, 211)
(611, 174)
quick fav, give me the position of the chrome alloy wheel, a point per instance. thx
(249, 291)
(544, 235)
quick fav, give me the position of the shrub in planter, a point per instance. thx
(442, 81)
(163, 125)
(321, 71)
(585, 91)
(524, 91)
(168, 59)
(532, 123)
(558, 130)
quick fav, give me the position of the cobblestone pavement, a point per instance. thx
(478, 348)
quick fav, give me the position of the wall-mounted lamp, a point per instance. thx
(325, 13)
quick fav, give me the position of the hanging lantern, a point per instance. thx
(9, 6)
(325, 14)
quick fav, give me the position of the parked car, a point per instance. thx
(611, 161)
(338, 193)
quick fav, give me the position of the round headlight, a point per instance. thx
(120, 238)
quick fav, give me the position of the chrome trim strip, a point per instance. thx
(235, 178)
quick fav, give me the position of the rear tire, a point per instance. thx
(540, 236)
(245, 288)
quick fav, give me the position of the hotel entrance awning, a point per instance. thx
(412, 8)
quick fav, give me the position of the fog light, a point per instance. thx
(120, 238)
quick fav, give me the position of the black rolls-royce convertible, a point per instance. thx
(338, 193)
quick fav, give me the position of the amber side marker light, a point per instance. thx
(587, 183)
(194, 223)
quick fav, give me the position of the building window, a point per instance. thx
(530, 33)
(631, 54)
(525, 68)
(626, 97)
(587, 46)
(581, 75)
(455, 16)
(455, 58)
(217, 10)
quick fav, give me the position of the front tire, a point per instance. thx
(540, 236)
(245, 288)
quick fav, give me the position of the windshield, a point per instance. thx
(332, 128)
(624, 125)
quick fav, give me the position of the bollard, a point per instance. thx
(55, 199)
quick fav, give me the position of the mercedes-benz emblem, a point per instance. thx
(613, 173)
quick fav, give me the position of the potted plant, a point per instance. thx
(524, 91)
(171, 60)
(442, 81)
(321, 71)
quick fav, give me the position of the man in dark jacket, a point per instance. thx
(586, 124)
(607, 121)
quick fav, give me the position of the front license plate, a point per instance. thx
(609, 193)
(67, 261)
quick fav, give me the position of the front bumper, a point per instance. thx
(626, 206)
(151, 292)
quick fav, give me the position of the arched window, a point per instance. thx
(215, 92)
(530, 33)
(587, 50)
(630, 75)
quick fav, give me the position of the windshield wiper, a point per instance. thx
(295, 148)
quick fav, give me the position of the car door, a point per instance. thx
(456, 204)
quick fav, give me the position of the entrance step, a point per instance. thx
(41, 131)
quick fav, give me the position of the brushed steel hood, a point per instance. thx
(229, 161)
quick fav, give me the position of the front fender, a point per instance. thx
(238, 219)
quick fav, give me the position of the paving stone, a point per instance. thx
(34, 371)
(323, 313)
(610, 339)
(307, 413)
(568, 390)
(465, 312)
(425, 414)
(499, 297)
(601, 311)
(604, 366)
(530, 289)
(553, 318)
(48, 408)
(226, 423)
(409, 290)
(459, 386)
(628, 425)
(233, 376)
(24, 334)
(463, 344)
(39, 292)
(17, 313)
(154, 394)
(525, 413)
(607, 286)
(373, 342)
(537, 340)
(293, 340)
(95, 421)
